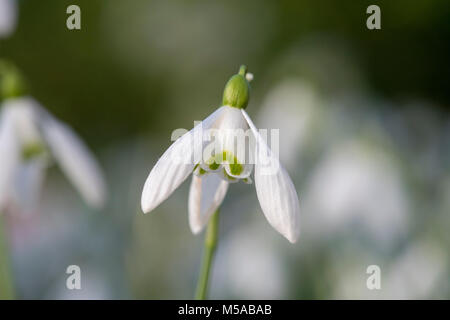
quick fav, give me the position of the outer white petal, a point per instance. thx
(176, 164)
(9, 153)
(25, 111)
(276, 192)
(74, 158)
(28, 183)
(205, 196)
(8, 17)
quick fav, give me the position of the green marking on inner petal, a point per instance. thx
(235, 167)
(32, 150)
(201, 171)
(226, 157)
(212, 163)
(214, 166)
(228, 176)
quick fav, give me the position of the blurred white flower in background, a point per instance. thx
(356, 183)
(28, 181)
(8, 17)
(29, 138)
(418, 272)
(42, 245)
(293, 106)
(249, 266)
(94, 286)
(348, 273)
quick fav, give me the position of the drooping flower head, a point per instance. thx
(30, 138)
(225, 148)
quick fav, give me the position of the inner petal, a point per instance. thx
(229, 152)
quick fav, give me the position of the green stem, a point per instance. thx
(6, 285)
(210, 248)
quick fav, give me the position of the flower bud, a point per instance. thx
(237, 90)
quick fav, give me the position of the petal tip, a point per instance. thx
(292, 239)
(145, 206)
(292, 234)
(195, 229)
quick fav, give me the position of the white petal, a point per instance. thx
(176, 164)
(28, 183)
(24, 112)
(9, 153)
(205, 196)
(276, 192)
(8, 17)
(74, 158)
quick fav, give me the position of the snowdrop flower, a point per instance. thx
(8, 17)
(29, 138)
(213, 171)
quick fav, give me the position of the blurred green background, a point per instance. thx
(363, 119)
